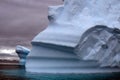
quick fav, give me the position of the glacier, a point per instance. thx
(83, 36)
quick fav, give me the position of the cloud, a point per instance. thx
(21, 20)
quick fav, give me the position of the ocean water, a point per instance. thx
(21, 74)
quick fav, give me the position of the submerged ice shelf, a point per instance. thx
(83, 36)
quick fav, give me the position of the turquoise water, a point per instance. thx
(19, 74)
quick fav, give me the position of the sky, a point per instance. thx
(21, 21)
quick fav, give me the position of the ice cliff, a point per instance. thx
(79, 30)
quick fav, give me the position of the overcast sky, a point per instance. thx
(21, 20)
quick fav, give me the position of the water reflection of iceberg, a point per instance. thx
(73, 43)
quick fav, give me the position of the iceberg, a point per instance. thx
(22, 53)
(83, 36)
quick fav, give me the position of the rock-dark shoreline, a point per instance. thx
(9, 64)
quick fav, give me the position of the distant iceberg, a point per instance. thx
(22, 53)
(83, 36)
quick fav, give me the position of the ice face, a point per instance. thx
(100, 44)
(72, 40)
(90, 13)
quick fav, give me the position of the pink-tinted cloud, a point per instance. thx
(21, 20)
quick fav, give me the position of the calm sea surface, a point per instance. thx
(21, 74)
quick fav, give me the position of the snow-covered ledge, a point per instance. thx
(83, 37)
